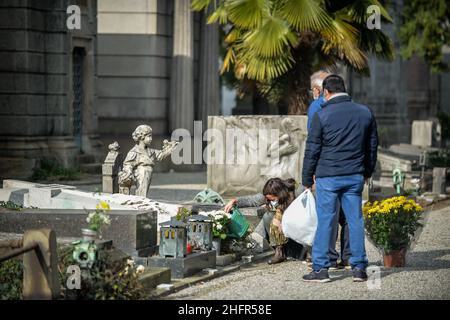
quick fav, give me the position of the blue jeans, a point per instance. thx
(329, 191)
(345, 252)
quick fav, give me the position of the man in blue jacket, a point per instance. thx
(341, 151)
(317, 92)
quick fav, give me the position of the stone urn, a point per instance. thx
(216, 242)
(394, 258)
(89, 235)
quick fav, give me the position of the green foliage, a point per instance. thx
(221, 222)
(11, 277)
(10, 205)
(52, 170)
(99, 217)
(392, 223)
(444, 120)
(108, 279)
(425, 30)
(278, 44)
(183, 214)
(439, 158)
(265, 33)
(240, 246)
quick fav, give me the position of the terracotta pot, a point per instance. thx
(395, 258)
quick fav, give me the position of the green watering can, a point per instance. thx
(238, 225)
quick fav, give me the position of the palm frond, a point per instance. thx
(358, 11)
(271, 39)
(220, 14)
(228, 60)
(198, 5)
(343, 38)
(247, 14)
(376, 42)
(304, 14)
(262, 68)
(234, 35)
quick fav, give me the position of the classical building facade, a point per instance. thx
(67, 94)
(157, 64)
(47, 84)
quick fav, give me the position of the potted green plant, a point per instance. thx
(391, 225)
(221, 222)
(96, 220)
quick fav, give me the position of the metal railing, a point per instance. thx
(40, 263)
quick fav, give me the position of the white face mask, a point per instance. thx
(274, 203)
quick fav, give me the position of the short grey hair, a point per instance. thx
(317, 78)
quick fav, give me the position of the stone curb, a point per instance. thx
(190, 281)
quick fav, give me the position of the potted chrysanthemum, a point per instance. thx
(96, 220)
(391, 225)
(221, 221)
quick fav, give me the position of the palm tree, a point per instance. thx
(277, 44)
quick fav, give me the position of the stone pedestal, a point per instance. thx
(110, 169)
(187, 266)
(439, 180)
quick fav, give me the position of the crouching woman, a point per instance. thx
(277, 195)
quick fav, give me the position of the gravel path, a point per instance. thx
(427, 275)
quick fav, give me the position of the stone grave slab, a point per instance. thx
(187, 266)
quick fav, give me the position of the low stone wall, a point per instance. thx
(134, 232)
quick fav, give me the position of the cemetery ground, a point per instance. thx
(426, 275)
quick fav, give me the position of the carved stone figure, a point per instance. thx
(283, 153)
(137, 168)
(277, 154)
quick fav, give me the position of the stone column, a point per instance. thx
(209, 102)
(182, 78)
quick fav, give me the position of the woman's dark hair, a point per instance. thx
(283, 189)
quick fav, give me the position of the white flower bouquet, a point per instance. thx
(221, 221)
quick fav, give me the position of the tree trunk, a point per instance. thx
(298, 97)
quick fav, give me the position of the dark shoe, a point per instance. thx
(279, 255)
(333, 266)
(359, 275)
(317, 276)
(344, 265)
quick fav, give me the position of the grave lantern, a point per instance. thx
(200, 232)
(173, 239)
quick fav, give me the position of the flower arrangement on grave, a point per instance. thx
(97, 219)
(183, 214)
(221, 221)
(391, 224)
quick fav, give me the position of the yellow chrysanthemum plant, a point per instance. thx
(392, 223)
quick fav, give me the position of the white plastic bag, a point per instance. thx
(299, 221)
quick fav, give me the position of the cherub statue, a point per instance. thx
(137, 168)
